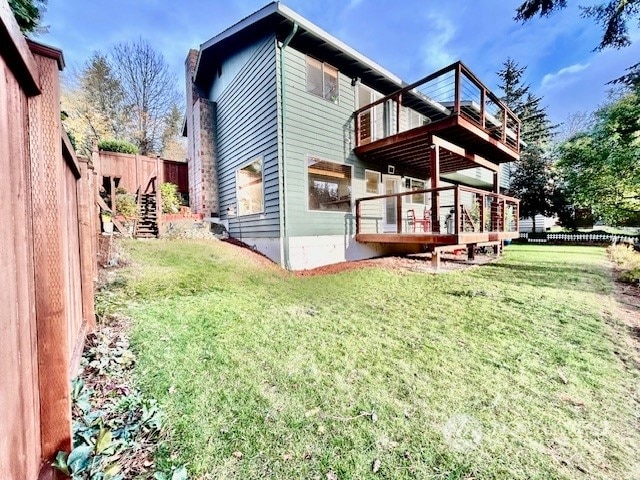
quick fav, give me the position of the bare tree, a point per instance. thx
(578, 122)
(150, 90)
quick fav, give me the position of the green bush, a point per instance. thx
(170, 198)
(119, 146)
(126, 205)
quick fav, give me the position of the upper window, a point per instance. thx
(250, 192)
(322, 80)
(329, 185)
(372, 181)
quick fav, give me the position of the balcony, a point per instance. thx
(451, 104)
(455, 215)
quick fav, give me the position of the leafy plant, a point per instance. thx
(126, 205)
(119, 146)
(170, 197)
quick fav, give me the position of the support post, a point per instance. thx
(399, 214)
(435, 259)
(398, 111)
(358, 213)
(435, 183)
(471, 251)
(456, 206)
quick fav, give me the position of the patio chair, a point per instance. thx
(424, 222)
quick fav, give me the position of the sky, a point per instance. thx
(410, 38)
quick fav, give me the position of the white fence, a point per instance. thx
(577, 238)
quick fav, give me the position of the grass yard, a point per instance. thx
(505, 371)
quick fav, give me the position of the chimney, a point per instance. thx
(201, 142)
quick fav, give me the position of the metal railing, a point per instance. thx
(451, 91)
(451, 210)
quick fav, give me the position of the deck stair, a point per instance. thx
(147, 226)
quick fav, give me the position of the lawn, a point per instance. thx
(509, 370)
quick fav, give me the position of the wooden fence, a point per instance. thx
(47, 257)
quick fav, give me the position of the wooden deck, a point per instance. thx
(435, 239)
(451, 104)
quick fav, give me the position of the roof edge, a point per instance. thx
(289, 14)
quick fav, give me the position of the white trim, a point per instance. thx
(306, 185)
(242, 167)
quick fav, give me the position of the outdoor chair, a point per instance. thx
(424, 222)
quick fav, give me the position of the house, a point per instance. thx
(314, 154)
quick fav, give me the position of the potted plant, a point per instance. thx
(107, 222)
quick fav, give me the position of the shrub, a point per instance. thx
(119, 146)
(628, 262)
(170, 197)
(126, 205)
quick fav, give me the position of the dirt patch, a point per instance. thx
(413, 263)
(628, 312)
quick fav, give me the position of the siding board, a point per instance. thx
(247, 127)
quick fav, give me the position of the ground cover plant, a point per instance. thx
(509, 370)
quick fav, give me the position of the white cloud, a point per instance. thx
(436, 49)
(563, 75)
(353, 4)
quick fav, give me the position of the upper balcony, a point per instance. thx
(451, 103)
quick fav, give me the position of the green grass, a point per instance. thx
(464, 371)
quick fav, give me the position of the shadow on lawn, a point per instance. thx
(547, 274)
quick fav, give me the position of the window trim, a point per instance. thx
(379, 174)
(322, 65)
(241, 167)
(306, 182)
(410, 188)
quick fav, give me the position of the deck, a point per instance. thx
(436, 217)
(451, 104)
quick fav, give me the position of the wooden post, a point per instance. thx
(458, 80)
(398, 111)
(483, 106)
(399, 214)
(435, 259)
(471, 251)
(481, 201)
(496, 181)
(85, 202)
(456, 206)
(51, 304)
(357, 129)
(435, 183)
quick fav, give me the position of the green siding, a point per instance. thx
(247, 127)
(316, 127)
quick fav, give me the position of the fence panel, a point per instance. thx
(47, 257)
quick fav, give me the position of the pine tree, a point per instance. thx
(532, 178)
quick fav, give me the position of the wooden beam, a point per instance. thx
(435, 183)
(472, 157)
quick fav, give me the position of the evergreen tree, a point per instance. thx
(532, 177)
(28, 14)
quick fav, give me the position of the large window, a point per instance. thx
(322, 80)
(329, 185)
(250, 192)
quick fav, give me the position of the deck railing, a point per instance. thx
(453, 90)
(458, 210)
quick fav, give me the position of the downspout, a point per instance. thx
(281, 159)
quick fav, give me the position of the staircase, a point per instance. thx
(148, 224)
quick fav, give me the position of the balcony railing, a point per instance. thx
(451, 91)
(458, 210)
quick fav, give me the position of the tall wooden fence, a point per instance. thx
(47, 257)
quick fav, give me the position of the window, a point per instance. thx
(250, 192)
(372, 181)
(322, 80)
(414, 184)
(329, 185)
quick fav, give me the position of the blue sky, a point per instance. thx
(411, 38)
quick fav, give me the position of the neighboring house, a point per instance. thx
(289, 128)
(543, 224)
